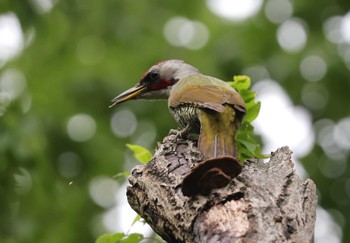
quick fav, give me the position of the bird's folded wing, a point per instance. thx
(205, 92)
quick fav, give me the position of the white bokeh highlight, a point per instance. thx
(43, 6)
(327, 137)
(345, 28)
(123, 123)
(280, 123)
(326, 230)
(313, 68)
(120, 217)
(145, 134)
(342, 133)
(102, 191)
(278, 11)
(182, 32)
(81, 127)
(12, 86)
(292, 35)
(11, 37)
(13, 83)
(332, 29)
(235, 10)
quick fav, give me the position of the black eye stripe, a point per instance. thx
(151, 77)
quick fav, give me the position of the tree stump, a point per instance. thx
(267, 202)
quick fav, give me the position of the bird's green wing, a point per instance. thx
(206, 92)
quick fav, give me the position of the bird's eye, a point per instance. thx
(154, 75)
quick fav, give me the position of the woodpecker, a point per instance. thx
(201, 105)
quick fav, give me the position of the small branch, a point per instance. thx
(267, 202)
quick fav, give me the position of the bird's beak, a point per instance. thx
(128, 94)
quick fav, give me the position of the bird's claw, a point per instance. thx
(180, 134)
(173, 132)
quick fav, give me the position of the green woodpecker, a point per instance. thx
(202, 105)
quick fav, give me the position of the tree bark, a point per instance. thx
(267, 202)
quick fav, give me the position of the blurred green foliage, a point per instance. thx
(81, 53)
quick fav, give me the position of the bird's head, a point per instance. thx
(157, 81)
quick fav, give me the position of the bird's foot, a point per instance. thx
(180, 134)
(174, 132)
(184, 133)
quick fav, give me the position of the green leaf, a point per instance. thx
(121, 174)
(248, 96)
(247, 145)
(120, 237)
(136, 219)
(241, 82)
(132, 238)
(142, 154)
(253, 112)
(110, 238)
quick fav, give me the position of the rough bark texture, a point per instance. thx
(267, 202)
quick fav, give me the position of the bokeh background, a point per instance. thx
(61, 62)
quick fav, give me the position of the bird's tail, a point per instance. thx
(218, 132)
